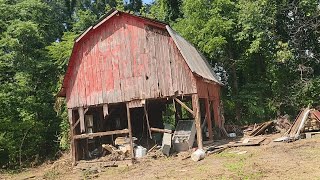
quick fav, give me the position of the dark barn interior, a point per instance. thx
(147, 131)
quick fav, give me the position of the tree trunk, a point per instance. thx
(235, 89)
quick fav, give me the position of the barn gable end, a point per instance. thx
(123, 59)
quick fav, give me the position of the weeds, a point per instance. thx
(51, 174)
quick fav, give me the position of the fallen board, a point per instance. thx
(260, 129)
(255, 142)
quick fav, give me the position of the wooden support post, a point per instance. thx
(178, 112)
(72, 132)
(81, 117)
(130, 131)
(216, 113)
(196, 110)
(70, 117)
(208, 115)
(147, 118)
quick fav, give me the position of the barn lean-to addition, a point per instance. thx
(128, 68)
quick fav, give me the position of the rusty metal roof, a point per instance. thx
(195, 60)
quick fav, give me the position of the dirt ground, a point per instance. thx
(296, 160)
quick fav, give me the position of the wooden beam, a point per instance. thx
(72, 132)
(105, 110)
(81, 117)
(147, 118)
(99, 134)
(184, 105)
(85, 111)
(75, 125)
(178, 112)
(208, 118)
(70, 116)
(161, 130)
(130, 130)
(216, 112)
(196, 109)
(77, 122)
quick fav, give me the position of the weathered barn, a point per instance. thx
(122, 74)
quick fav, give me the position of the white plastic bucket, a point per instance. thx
(198, 155)
(140, 151)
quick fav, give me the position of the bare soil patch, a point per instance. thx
(296, 160)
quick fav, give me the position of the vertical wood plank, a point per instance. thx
(130, 130)
(85, 75)
(72, 133)
(81, 116)
(70, 116)
(172, 65)
(208, 115)
(105, 110)
(216, 112)
(196, 110)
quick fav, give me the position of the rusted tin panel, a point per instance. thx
(125, 59)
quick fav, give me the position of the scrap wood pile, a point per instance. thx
(268, 127)
(308, 120)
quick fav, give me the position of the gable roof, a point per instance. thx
(194, 59)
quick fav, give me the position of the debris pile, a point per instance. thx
(281, 124)
(307, 121)
(266, 127)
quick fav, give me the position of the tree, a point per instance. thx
(28, 123)
(166, 10)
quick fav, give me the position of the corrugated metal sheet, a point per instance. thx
(195, 60)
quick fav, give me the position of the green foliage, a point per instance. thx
(28, 123)
(83, 20)
(169, 115)
(166, 10)
(269, 49)
(133, 5)
(271, 67)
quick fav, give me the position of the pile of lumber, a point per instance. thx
(261, 129)
(279, 125)
(307, 120)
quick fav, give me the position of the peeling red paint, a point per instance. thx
(123, 59)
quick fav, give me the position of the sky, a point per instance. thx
(147, 1)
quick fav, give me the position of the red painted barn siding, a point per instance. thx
(212, 91)
(125, 59)
(205, 89)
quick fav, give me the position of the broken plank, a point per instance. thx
(161, 130)
(217, 151)
(105, 110)
(256, 142)
(75, 124)
(261, 128)
(184, 105)
(98, 134)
